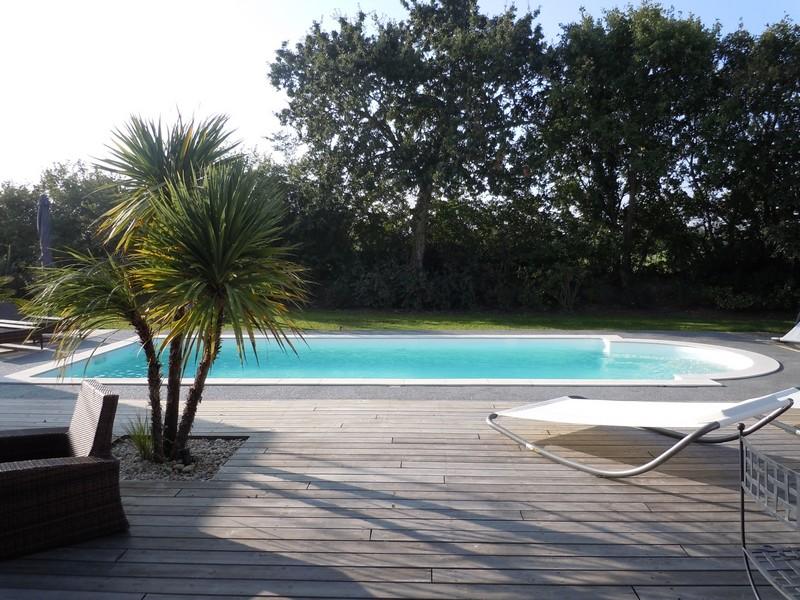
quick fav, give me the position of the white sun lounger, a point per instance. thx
(792, 337)
(700, 417)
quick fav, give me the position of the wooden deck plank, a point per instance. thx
(290, 547)
(60, 594)
(670, 561)
(509, 526)
(232, 588)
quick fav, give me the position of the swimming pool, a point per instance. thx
(439, 359)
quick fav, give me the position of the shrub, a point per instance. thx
(726, 298)
(138, 431)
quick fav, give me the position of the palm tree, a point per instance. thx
(88, 293)
(147, 159)
(196, 248)
(210, 255)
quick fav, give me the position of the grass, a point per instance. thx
(708, 321)
(601, 319)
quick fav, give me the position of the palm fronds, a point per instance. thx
(89, 292)
(198, 247)
(213, 253)
(86, 292)
(146, 157)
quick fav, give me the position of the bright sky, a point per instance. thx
(74, 70)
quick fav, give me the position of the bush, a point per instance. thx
(726, 298)
(562, 283)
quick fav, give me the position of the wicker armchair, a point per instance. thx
(776, 489)
(61, 485)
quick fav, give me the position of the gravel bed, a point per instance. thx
(208, 455)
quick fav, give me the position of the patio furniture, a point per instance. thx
(700, 417)
(791, 337)
(775, 488)
(19, 332)
(9, 310)
(15, 334)
(61, 485)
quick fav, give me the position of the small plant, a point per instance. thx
(138, 431)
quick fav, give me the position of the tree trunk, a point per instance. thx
(627, 231)
(173, 394)
(419, 226)
(210, 351)
(153, 385)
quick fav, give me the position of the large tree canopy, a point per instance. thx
(402, 113)
(619, 97)
(640, 152)
(751, 174)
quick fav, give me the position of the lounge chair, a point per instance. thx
(19, 332)
(791, 337)
(20, 335)
(61, 485)
(775, 488)
(700, 417)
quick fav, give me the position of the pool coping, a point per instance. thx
(761, 365)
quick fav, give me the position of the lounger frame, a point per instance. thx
(684, 439)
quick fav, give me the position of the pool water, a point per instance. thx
(406, 357)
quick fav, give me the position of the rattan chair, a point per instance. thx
(61, 485)
(776, 489)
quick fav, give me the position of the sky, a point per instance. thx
(72, 71)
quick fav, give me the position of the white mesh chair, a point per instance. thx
(775, 488)
(701, 418)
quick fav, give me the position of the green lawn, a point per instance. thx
(351, 320)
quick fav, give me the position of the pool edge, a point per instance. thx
(761, 365)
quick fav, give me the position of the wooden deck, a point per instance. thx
(410, 499)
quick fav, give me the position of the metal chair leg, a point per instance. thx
(663, 457)
(750, 577)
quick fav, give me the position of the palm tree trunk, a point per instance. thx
(153, 385)
(211, 349)
(173, 394)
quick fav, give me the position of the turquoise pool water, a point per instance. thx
(404, 357)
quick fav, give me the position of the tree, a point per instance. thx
(149, 162)
(618, 94)
(79, 195)
(19, 241)
(402, 113)
(211, 255)
(748, 188)
(204, 251)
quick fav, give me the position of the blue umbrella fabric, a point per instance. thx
(43, 227)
